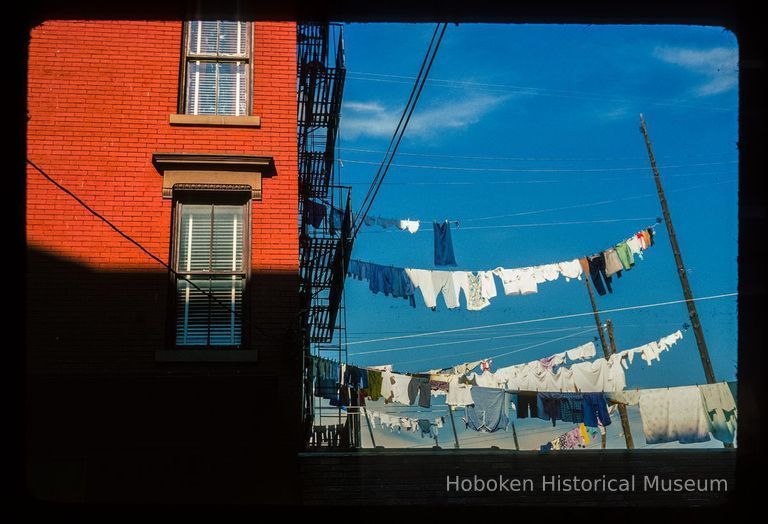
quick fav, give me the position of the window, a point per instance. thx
(217, 64)
(211, 257)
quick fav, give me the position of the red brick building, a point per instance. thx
(163, 309)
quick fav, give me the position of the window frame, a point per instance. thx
(185, 60)
(211, 198)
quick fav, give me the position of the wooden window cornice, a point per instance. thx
(206, 171)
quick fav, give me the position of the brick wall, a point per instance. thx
(105, 420)
(100, 95)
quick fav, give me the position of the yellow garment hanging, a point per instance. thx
(584, 434)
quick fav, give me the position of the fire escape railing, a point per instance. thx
(324, 250)
(321, 73)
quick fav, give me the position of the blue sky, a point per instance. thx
(538, 125)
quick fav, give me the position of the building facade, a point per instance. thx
(164, 317)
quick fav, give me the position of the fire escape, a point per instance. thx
(325, 244)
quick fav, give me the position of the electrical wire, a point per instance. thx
(137, 243)
(384, 167)
(370, 192)
(546, 319)
(535, 91)
(514, 335)
(539, 170)
(527, 159)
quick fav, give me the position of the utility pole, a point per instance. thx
(700, 342)
(453, 425)
(514, 435)
(597, 317)
(622, 407)
(607, 352)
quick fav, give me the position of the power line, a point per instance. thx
(575, 206)
(529, 170)
(531, 159)
(400, 131)
(621, 178)
(466, 341)
(526, 90)
(591, 204)
(136, 242)
(545, 319)
(485, 351)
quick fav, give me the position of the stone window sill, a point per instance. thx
(215, 120)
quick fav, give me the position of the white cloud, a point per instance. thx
(375, 120)
(718, 64)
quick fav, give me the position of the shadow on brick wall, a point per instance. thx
(106, 422)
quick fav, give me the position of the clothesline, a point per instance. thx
(479, 286)
(542, 224)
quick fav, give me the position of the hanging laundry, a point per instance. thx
(374, 384)
(519, 281)
(473, 292)
(551, 362)
(458, 394)
(612, 262)
(595, 410)
(425, 425)
(527, 405)
(582, 352)
(387, 222)
(314, 212)
(487, 284)
(573, 439)
(545, 273)
(419, 388)
(651, 233)
(625, 255)
(629, 397)
(548, 406)
(635, 247)
(485, 379)
(572, 407)
(386, 386)
(720, 407)
(412, 226)
(584, 434)
(571, 269)
(389, 280)
(400, 387)
(465, 368)
(443, 244)
(673, 414)
(598, 274)
(487, 413)
(430, 283)
(652, 350)
(337, 218)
